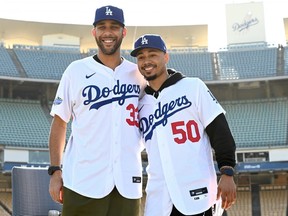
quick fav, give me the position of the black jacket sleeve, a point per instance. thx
(222, 141)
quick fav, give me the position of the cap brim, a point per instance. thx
(122, 24)
(135, 51)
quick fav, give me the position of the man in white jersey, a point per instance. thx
(181, 121)
(102, 171)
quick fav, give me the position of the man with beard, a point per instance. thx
(101, 171)
(181, 121)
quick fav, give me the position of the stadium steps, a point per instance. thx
(5, 203)
(280, 61)
(17, 63)
(3, 211)
(286, 60)
(7, 66)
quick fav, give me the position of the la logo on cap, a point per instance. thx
(109, 11)
(144, 41)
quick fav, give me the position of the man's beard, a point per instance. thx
(110, 51)
(150, 78)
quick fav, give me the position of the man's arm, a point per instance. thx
(57, 139)
(224, 146)
(222, 141)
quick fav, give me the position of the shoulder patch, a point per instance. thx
(57, 101)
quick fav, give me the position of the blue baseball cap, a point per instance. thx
(148, 41)
(109, 13)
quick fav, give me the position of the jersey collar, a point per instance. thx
(174, 77)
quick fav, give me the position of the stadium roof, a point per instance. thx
(31, 33)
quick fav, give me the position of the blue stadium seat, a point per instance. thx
(193, 64)
(23, 123)
(45, 64)
(246, 64)
(7, 66)
(258, 123)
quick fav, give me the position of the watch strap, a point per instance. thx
(53, 169)
(227, 170)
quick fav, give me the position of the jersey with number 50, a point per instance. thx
(180, 163)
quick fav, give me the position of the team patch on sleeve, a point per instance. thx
(57, 101)
(136, 179)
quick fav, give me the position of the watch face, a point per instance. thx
(228, 172)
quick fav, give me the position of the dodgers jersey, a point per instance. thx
(181, 168)
(104, 148)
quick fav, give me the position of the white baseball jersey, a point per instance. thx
(104, 148)
(181, 169)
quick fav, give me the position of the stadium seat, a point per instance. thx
(247, 64)
(273, 202)
(243, 205)
(194, 64)
(7, 66)
(30, 192)
(28, 118)
(249, 124)
(41, 63)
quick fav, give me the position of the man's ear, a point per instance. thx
(124, 32)
(167, 57)
(93, 31)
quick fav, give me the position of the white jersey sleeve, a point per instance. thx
(208, 106)
(62, 103)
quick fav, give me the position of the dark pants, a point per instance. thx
(175, 212)
(112, 205)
